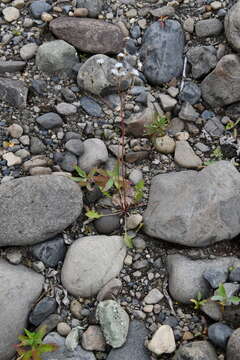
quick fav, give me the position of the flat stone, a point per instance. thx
(91, 107)
(221, 87)
(106, 252)
(38, 208)
(167, 102)
(93, 36)
(50, 252)
(185, 156)
(49, 120)
(93, 339)
(190, 198)
(62, 353)
(12, 159)
(163, 341)
(40, 170)
(114, 322)
(13, 92)
(188, 113)
(208, 27)
(186, 276)
(212, 310)
(16, 280)
(197, 350)
(42, 310)
(153, 297)
(134, 348)
(214, 127)
(66, 109)
(11, 66)
(162, 52)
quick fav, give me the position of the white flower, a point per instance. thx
(100, 61)
(118, 65)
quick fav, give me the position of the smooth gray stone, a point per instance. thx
(14, 92)
(11, 66)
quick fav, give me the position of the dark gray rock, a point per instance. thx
(38, 86)
(68, 94)
(20, 288)
(233, 346)
(231, 315)
(50, 323)
(89, 35)
(50, 252)
(36, 146)
(186, 276)
(38, 7)
(68, 162)
(203, 59)
(191, 93)
(75, 146)
(36, 208)
(11, 66)
(235, 275)
(216, 276)
(72, 135)
(213, 310)
(91, 106)
(49, 120)
(62, 353)
(208, 27)
(222, 87)
(56, 58)
(232, 26)
(94, 6)
(197, 350)
(162, 52)
(189, 200)
(107, 224)
(214, 127)
(219, 334)
(42, 310)
(134, 348)
(13, 92)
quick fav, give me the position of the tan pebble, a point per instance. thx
(46, 17)
(63, 329)
(76, 308)
(182, 135)
(80, 12)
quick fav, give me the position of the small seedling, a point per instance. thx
(199, 301)
(31, 346)
(157, 127)
(217, 153)
(223, 298)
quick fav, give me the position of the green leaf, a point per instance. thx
(235, 300)
(139, 190)
(80, 172)
(47, 348)
(108, 185)
(92, 214)
(128, 240)
(217, 298)
(221, 291)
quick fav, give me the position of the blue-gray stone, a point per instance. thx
(219, 334)
(69, 161)
(38, 7)
(50, 252)
(134, 348)
(91, 106)
(235, 275)
(42, 310)
(190, 93)
(162, 51)
(49, 120)
(216, 276)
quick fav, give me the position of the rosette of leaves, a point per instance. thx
(222, 297)
(31, 345)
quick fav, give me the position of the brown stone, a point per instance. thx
(89, 35)
(137, 123)
(93, 339)
(135, 156)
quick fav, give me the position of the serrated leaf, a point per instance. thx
(92, 214)
(128, 240)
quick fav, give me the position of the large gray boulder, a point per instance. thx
(232, 26)
(222, 86)
(186, 275)
(91, 262)
(162, 51)
(36, 208)
(89, 35)
(56, 57)
(20, 288)
(195, 208)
